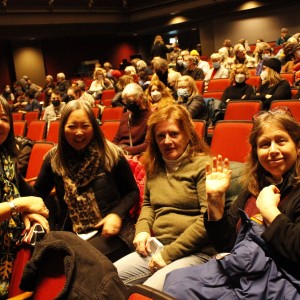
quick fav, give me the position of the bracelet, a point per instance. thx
(14, 208)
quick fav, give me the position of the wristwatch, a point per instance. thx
(15, 210)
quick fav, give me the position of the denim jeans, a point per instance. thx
(133, 269)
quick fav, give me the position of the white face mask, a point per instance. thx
(265, 56)
(264, 75)
(156, 96)
(239, 78)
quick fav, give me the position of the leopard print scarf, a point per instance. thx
(79, 195)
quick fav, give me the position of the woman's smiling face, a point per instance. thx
(276, 151)
(78, 130)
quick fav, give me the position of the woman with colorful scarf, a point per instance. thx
(16, 213)
(94, 184)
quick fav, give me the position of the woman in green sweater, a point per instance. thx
(174, 201)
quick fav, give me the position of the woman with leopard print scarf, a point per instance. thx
(94, 184)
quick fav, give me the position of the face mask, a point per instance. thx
(265, 56)
(56, 103)
(239, 78)
(180, 62)
(264, 75)
(185, 64)
(156, 96)
(184, 93)
(133, 107)
(216, 65)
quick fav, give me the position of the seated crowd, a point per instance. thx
(195, 205)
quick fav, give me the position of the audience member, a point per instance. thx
(172, 80)
(189, 97)
(161, 70)
(49, 86)
(19, 102)
(62, 84)
(286, 53)
(241, 56)
(133, 126)
(122, 82)
(83, 94)
(179, 67)
(174, 54)
(32, 103)
(54, 110)
(290, 65)
(202, 64)
(27, 85)
(176, 157)
(227, 49)
(258, 234)
(16, 210)
(239, 89)
(94, 184)
(283, 37)
(100, 83)
(262, 51)
(273, 86)
(190, 63)
(217, 70)
(159, 48)
(108, 69)
(7, 94)
(158, 95)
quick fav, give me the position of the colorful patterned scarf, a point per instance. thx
(11, 229)
(79, 195)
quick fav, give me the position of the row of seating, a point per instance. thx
(37, 130)
(216, 87)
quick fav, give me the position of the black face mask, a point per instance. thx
(133, 107)
(56, 103)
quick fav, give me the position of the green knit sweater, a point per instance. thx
(173, 210)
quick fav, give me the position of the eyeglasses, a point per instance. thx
(278, 110)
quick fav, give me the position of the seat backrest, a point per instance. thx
(200, 128)
(108, 94)
(109, 129)
(53, 129)
(290, 77)
(213, 94)
(106, 102)
(219, 84)
(144, 292)
(112, 113)
(293, 105)
(31, 116)
(37, 130)
(200, 86)
(230, 139)
(242, 110)
(96, 111)
(139, 174)
(17, 116)
(36, 158)
(254, 80)
(20, 127)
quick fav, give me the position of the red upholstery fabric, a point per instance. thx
(140, 177)
(23, 255)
